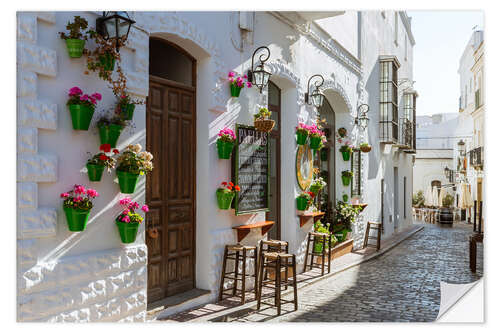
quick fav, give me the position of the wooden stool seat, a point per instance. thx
(375, 226)
(325, 239)
(239, 247)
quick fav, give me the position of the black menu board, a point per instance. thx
(251, 170)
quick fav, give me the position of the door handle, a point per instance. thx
(153, 233)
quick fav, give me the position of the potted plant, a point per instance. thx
(323, 154)
(342, 132)
(77, 205)
(131, 164)
(225, 143)
(125, 106)
(225, 194)
(418, 199)
(110, 129)
(75, 39)
(316, 185)
(128, 221)
(97, 163)
(237, 83)
(345, 197)
(262, 122)
(316, 137)
(102, 59)
(346, 151)
(318, 241)
(346, 177)
(365, 147)
(81, 106)
(302, 132)
(304, 200)
(345, 215)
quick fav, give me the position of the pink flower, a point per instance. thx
(249, 84)
(126, 211)
(230, 74)
(97, 96)
(77, 199)
(125, 201)
(92, 193)
(133, 205)
(79, 189)
(84, 97)
(92, 100)
(75, 91)
(125, 218)
(145, 208)
(245, 76)
(64, 195)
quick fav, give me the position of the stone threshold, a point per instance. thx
(174, 304)
(229, 307)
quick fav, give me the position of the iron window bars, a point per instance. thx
(407, 124)
(389, 66)
(356, 173)
(476, 157)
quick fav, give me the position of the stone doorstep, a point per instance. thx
(305, 279)
(173, 304)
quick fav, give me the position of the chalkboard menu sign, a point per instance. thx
(251, 170)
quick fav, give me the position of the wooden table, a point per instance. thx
(244, 230)
(304, 218)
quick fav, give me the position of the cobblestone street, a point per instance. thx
(400, 285)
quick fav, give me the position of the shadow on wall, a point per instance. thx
(372, 84)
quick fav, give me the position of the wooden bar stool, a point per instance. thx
(325, 239)
(272, 245)
(376, 226)
(237, 253)
(277, 261)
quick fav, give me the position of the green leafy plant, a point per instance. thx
(76, 30)
(104, 157)
(347, 173)
(105, 49)
(418, 199)
(263, 113)
(345, 148)
(106, 121)
(448, 200)
(346, 214)
(364, 144)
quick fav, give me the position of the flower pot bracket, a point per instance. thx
(306, 217)
(362, 206)
(244, 230)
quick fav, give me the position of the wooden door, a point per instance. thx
(170, 188)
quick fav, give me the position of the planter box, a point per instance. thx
(338, 251)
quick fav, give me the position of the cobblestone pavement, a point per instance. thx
(400, 285)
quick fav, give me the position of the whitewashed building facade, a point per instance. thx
(92, 276)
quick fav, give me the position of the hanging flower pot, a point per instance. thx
(75, 47)
(323, 154)
(365, 147)
(128, 231)
(342, 132)
(345, 197)
(224, 149)
(315, 188)
(235, 90)
(301, 138)
(110, 133)
(302, 202)
(81, 116)
(95, 172)
(262, 122)
(224, 199)
(236, 83)
(128, 111)
(346, 155)
(127, 181)
(76, 218)
(107, 61)
(314, 142)
(346, 180)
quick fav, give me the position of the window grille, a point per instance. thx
(389, 100)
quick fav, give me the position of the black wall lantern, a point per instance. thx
(114, 25)
(259, 76)
(316, 97)
(361, 118)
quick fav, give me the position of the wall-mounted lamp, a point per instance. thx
(259, 76)
(114, 25)
(316, 97)
(362, 119)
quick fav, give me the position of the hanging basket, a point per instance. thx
(315, 188)
(127, 181)
(346, 180)
(224, 198)
(365, 149)
(128, 231)
(127, 111)
(95, 172)
(346, 155)
(323, 154)
(301, 138)
(235, 90)
(107, 62)
(75, 47)
(76, 218)
(110, 134)
(314, 142)
(264, 125)
(81, 116)
(224, 149)
(342, 132)
(301, 203)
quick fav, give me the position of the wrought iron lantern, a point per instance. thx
(461, 147)
(315, 98)
(114, 25)
(362, 119)
(258, 75)
(447, 172)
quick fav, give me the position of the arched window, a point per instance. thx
(168, 61)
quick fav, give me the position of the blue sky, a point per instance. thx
(440, 38)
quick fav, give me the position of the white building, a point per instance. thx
(185, 57)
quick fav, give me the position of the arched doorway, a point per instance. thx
(170, 188)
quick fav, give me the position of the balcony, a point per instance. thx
(476, 157)
(406, 137)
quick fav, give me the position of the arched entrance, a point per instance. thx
(274, 214)
(170, 189)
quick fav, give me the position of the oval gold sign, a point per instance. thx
(304, 166)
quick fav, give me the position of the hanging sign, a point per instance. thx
(251, 170)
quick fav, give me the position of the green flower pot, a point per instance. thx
(314, 142)
(224, 149)
(224, 199)
(75, 47)
(323, 154)
(301, 203)
(235, 90)
(345, 197)
(346, 180)
(301, 138)
(76, 218)
(81, 116)
(128, 111)
(346, 155)
(127, 181)
(314, 188)
(110, 134)
(107, 62)
(128, 231)
(95, 172)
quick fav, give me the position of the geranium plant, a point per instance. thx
(304, 200)
(225, 194)
(81, 107)
(225, 143)
(302, 132)
(77, 205)
(76, 37)
(317, 137)
(346, 147)
(128, 221)
(236, 83)
(131, 164)
(103, 159)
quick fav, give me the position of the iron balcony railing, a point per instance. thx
(476, 157)
(406, 137)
